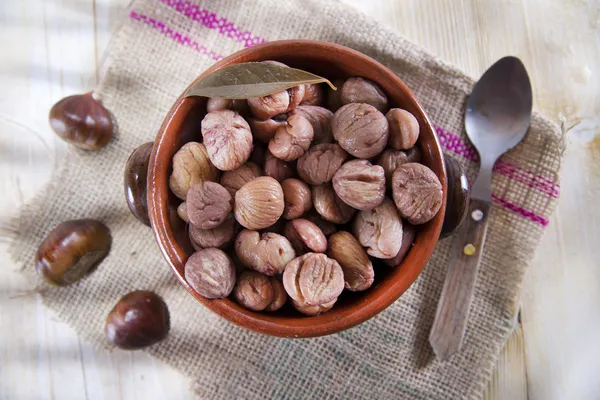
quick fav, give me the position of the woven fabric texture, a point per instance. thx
(160, 48)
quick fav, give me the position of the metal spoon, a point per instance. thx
(497, 118)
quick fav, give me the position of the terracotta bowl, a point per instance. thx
(182, 124)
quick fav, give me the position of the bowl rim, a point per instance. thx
(262, 322)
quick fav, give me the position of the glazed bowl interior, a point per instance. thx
(183, 125)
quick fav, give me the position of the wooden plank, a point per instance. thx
(51, 50)
(507, 381)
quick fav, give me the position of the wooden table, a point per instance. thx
(51, 49)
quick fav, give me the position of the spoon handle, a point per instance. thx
(452, 314)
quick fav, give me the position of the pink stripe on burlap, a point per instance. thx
(177, 36)
(211, 20)
(530, 215)
(458, 146)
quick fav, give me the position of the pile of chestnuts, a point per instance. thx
(293, 195)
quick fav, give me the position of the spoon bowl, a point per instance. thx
(497, 117)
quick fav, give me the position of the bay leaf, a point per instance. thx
(252, 79)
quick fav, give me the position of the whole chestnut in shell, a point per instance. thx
(82, 121)
(71, 250)
(139, 319)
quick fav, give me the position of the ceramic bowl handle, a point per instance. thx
(458, 197)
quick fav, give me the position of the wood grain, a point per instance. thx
(452, 314)
(51, 49)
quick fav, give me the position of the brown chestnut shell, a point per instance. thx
(82, 121)
(71, 250)
(139, 319)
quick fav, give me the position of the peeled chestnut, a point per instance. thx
(136, 173)
(259, 203)
(139, 319)
(71, 250)
(82, 121)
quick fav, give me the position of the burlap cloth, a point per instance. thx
(160, 48)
